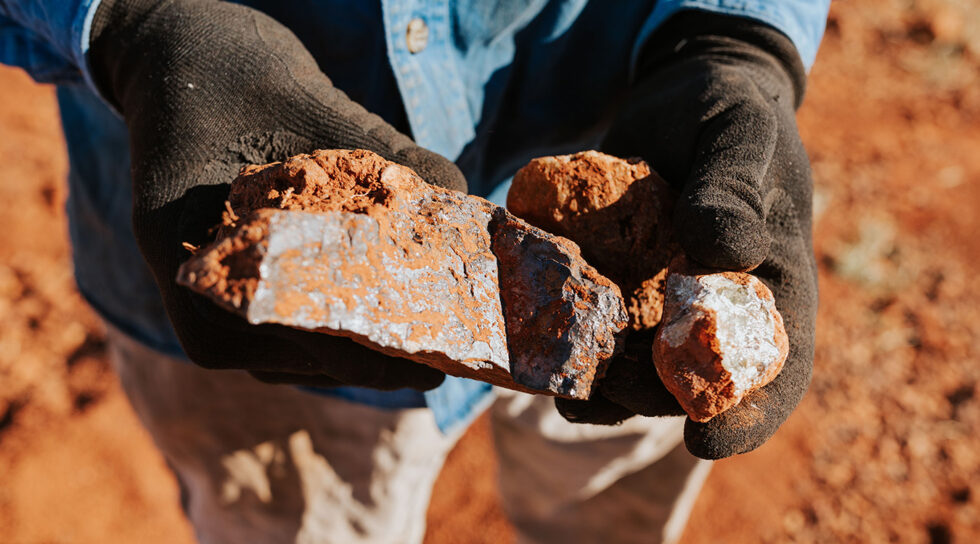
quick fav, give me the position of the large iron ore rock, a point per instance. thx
(347, 243)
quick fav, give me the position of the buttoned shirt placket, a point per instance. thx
(418, 35)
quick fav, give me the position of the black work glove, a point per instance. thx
(713, 111)
(206, 87)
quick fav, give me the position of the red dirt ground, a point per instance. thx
(883, 448)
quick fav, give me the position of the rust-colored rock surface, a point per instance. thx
(550, 297)
(347, 243)
(721, 337)
(616, 210)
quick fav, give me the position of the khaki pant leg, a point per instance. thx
(270, 463)
(564, 482)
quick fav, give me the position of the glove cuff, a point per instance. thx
(113, 30)
(699, 33)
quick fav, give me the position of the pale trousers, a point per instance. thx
(261, 463)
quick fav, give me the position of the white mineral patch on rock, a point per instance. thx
(721, 338)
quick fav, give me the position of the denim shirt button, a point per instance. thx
(416, 35)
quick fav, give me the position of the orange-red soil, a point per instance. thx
(883, 448)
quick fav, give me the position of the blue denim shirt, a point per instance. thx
(496, 84)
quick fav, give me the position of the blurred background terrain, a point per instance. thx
(883, 448)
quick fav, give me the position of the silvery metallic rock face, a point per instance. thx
(721, 337)
(346, 243)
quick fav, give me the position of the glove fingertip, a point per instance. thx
(387, 373)
(428, 379)
(597, 410)
(723, 239)
(739, 430)
(285, 378)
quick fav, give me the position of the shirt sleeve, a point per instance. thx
(47, 38)
(803, 21)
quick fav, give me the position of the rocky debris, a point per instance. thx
(721, 337)
(616, 210)
(347, 243)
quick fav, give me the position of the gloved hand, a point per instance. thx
(713, 111)
(206, 87)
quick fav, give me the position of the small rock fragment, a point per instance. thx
(550, 297)
(616, 210)
(721, 337)
(347, 243)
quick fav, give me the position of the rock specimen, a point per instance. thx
(616, 210)
(721, 337)
(347, 243)
(556, 308)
